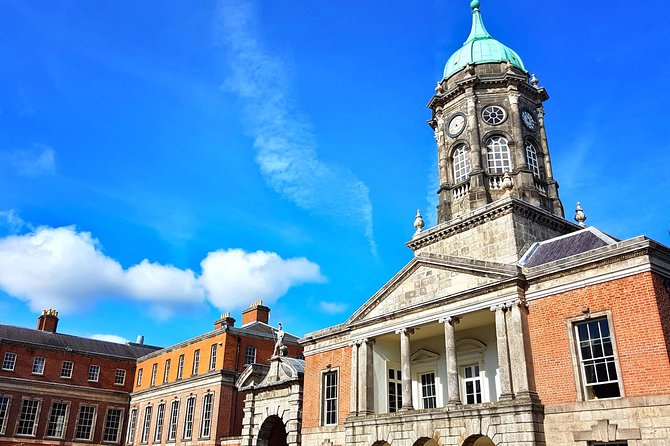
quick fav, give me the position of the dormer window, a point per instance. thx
(461, 164)
(497, 155)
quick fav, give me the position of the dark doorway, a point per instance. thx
(272, 432)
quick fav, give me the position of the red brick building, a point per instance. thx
(56, 388)
(185, 393)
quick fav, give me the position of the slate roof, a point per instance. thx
(565, 246)
(74, 343)
(263, 330)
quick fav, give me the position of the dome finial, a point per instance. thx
(418, 222)
(474, 4)
(580, 216)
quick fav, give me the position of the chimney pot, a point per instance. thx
(257, 312)
(48, 321)
(140, 340)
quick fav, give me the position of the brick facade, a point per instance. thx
(315, 365)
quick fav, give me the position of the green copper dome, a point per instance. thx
(480, 48)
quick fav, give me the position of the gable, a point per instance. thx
(426, 279)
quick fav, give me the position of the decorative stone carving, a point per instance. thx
(604, 431)
(580, 216)
(418, 222)
(280, 348)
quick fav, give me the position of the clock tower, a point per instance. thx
(488, 120)
(497, 192)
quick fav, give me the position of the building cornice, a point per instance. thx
(71, 390)
(220, 377)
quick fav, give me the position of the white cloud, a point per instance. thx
(332, 307)
(39, 160)
(284, 141)
(235, 277)
(66, 269)
(109, 338)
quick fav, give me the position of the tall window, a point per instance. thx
(472, 384)
(120, 377)
(250, 355)
(28, 417)
(180, 367)
(329, 408)
(112, 425)
(154, 370)
(497, 155)
(4, 411)
(196, 361)
(174, 416)
(66, 369)
(596, 354)
(531, 158)
(428, 394)
(57, 419)
(38, 365)
(146, 425)
(395, 390)
(9, 361)
(160, 416)
(85, 422)
(212, 357)
(206, 420)
(166, 373)
(94, 373)
(188, 418)
(132, 420)
(139, 377)
(461, 164)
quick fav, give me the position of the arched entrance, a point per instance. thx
(272, 432)
(425, 441)
(478, 440)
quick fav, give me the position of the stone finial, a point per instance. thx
(418, 222)
(534, 81)
(507, 183)
(580, 216)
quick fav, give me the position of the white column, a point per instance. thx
(365, 377)
(353, 394)
(503, 353)
(405, 354)
(450, 355)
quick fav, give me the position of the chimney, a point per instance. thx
(257, 312)
(140, 340)
(225, 322)
(48, 321)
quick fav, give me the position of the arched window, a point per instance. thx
(497, 155)
(461, 164)
(531, 158)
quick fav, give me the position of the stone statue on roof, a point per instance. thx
(280, 348)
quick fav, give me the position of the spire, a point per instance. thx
(478, 31)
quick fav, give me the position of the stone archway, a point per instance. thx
(380, 443)
(425, 441)
(478, 440)
(272, 432)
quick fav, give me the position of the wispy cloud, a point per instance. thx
(12, 223)
(430, 215)
(36, 161)
(283, 138)
(109, 338)
(66, 269)
(333, 307)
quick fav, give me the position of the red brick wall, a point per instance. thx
(314, 366)
(641, 337)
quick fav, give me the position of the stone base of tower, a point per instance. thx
(500, 231)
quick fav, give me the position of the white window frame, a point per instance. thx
(580, 381)
(132, 425)
(173, 424)
(78, 424)
(119, 377)
(325, 398)
(206, 416)
(250, 354)
(93, 373)
(166, 372)
(146, 424)
(461, 163)
(531, 158)
(68, 368)
(39, 364)
(189, 412)
(196, 362)
(160, 422)
(470, 352)
(154, 371)
(62, 423)
(180, 367)
(397, 384)
(139, 377)
(9, 362)
(212, 356)
(35, 416)
(5, 406)
(474, 379)
(119, 427)
(498, 144)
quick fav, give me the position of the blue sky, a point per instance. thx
(163, 162)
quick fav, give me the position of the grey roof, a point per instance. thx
(74, 343)
(565, 246)
(263, 330)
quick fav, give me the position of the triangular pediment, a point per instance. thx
(423, 355)
(429, 277)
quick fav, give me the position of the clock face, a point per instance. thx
(456, 125)
(528, 120)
